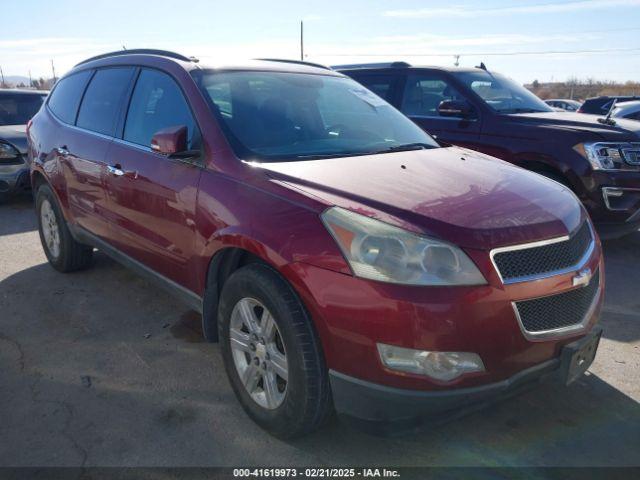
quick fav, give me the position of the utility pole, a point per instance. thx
(30, 80)
(301, 40)
(53, 70)
(2, 75)
(456, 63)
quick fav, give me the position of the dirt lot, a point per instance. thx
(100, 368)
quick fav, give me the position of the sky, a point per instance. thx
(599, 39)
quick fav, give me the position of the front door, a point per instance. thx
(423, 92)
(152, 198)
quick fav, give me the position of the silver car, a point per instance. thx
(630, 110)
(16, 109)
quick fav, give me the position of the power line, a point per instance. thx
(523, 6)
(483, 54)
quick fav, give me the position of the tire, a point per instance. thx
(305, 402)
(64, 253)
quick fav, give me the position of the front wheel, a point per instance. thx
(272, 354)
(64, 253)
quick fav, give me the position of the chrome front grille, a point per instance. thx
(543, 259)
(559, 314)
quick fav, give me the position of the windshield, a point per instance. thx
(277, 116)
(18, 108)
(502, 94)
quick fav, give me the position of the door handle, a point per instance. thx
(62, 151)
(115, 170)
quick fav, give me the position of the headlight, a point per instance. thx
(8, 153)
(444, 366)
(609, 156)
(379, 251)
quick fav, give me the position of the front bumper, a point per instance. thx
(381, 409)
(613, 201)
(352, 315)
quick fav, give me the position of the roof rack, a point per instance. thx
(372, 65)
(140, 51)
(295, 62)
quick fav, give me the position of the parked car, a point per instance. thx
(601, 105)
(485, 111)
(629, 110)
(16, 108)
(341, 257)
(564, 104)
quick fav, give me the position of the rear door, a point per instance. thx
(423, 92)
(152, 202)
(86, 129)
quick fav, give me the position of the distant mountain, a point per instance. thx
(16, 79)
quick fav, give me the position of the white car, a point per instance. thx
(629, 110)
(564, 104)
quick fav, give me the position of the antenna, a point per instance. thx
(482, 66)
(608, 120)
(613, 105)
(301, 40)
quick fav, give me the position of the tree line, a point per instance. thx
(582, 89)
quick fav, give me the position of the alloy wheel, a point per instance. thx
(258, 353)
(50, 228)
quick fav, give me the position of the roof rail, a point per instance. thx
(142, 51)
(372, 65)
(295, 62)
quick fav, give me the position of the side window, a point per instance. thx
(423, 94)
(103, 100)
(65, 98)
(382, 85)
(158, 103)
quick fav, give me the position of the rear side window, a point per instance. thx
(65, 99)
(157, 103)
(104, 99)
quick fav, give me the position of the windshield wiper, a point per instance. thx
(406, 147)
(521, 110)
(318, 156)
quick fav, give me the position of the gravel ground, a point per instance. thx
(100, 368)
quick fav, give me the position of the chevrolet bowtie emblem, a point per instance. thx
(583, 278)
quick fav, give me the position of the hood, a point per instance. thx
(16, 135)
(623, 130)
(465, 197)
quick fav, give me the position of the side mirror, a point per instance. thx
(454, 108)
(170, 140)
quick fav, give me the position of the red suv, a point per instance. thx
(339, 255)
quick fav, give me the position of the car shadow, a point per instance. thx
(588, 423)
(95, 373)
(16, 215)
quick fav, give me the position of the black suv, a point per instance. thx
(597, 157)
(601, 105)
